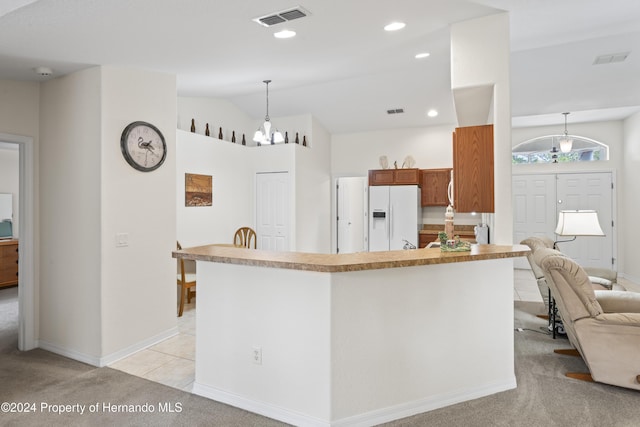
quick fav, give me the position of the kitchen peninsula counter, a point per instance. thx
(352, 339)
(334, 263)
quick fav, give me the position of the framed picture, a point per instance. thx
(198, 190)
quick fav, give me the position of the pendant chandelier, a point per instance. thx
(565, 142)
(263, 135)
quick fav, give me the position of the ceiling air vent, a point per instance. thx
(282, 16)
(395, 111)
(611, 58)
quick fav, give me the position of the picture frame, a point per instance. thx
(198, 190)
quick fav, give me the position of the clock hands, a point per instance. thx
(145, 145)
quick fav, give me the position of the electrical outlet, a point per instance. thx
(257, 355)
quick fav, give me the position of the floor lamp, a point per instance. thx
(577, 223)
(573, 223)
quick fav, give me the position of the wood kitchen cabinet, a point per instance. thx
(434, 184)
(8, 262)
(473, 188)
(394, 177)
(425, 239)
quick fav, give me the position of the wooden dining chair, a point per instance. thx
(244, 236)
(187, 283)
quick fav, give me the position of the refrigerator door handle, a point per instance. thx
(391, 221)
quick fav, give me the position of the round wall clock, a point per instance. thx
(143, 146)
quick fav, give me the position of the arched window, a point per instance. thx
(546, 149)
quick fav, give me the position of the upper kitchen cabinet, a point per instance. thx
(435, 184)
(473, 169)
(394, 177)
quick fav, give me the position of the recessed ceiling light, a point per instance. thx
(284, 34)
(432, 113)
(394, 26)
(422, 55)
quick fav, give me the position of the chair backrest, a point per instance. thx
(244, 237)
(570, 285)
(181, 262)
(534, 244)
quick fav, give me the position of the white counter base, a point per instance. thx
(353, 348)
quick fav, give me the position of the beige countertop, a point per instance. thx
(335, 263)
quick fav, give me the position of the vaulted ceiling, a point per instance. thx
(342, 67)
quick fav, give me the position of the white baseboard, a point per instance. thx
(371, 418)
(416, 407)
(268, 410)
(146, 343)
(71, 354)
(109, 359)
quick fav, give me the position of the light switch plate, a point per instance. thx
(122, 240)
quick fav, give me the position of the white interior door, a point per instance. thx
(537, 199)
(534, 209)
(272, 211)
(588, 191)
(351, 201)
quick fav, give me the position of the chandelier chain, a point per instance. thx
(266, 118)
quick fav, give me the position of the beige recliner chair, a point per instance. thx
(601, 278)
(603, 326)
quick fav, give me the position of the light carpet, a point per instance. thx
(544, 397)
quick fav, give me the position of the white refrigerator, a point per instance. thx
(394, 217)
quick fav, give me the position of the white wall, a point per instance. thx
(99, 302)
(19, 112)
(480, 57)
(70, 212)
(234, 168)
(9, 183)
(138, 296)
(629, 197)
(233, 189)
(610, 132)
(218, 113)
(222, 113)
(20, 116)
(356, 153)
(354, 348)
(313, 191)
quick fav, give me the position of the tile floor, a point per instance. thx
(172, 362)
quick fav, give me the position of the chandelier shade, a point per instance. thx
(263, 135)
(566, 143)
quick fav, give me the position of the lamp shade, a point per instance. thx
(579, 223)
(566, 144)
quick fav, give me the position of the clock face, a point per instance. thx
(143, 146)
